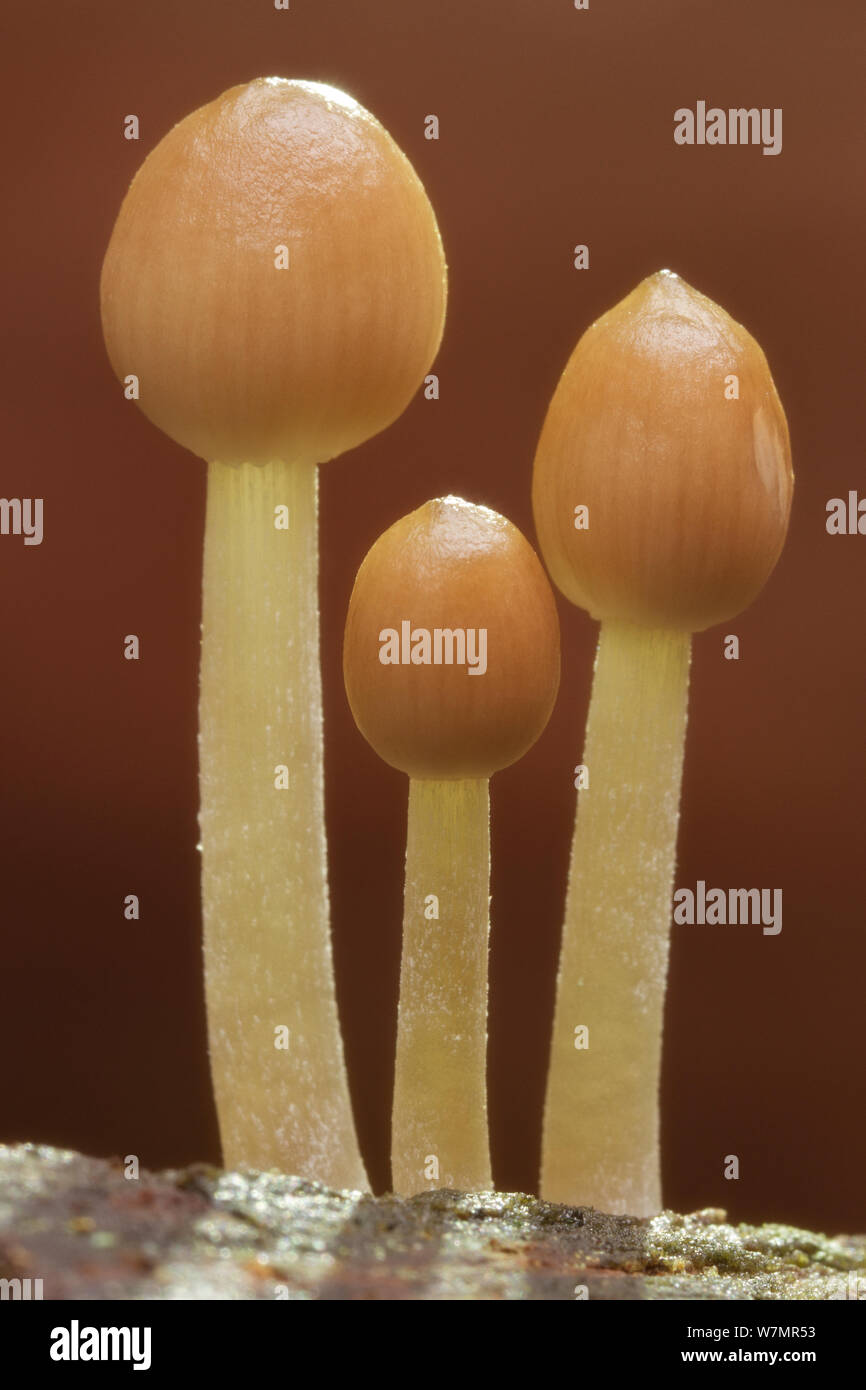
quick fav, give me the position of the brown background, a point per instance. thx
(556, 128)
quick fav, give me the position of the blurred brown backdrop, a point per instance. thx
(556, 128)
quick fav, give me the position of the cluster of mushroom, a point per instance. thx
(276, 281)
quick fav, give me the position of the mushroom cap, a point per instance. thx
(239, 360)
(689, 492)
(452, 565)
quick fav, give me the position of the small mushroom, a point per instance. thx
(666, 441)
(275, 279)
(451, 664)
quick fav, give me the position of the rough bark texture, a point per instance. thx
(88, 1232)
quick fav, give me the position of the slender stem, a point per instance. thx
(282, 1098)
(439, 1130)
(601, 1122)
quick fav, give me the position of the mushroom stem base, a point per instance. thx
(439, 1132)
(601, 1122)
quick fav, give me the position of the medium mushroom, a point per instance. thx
(451, 664)
(661, 491)
(275, 279)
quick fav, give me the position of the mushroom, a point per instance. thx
(451, 665)
(667, 429)
(276, 280)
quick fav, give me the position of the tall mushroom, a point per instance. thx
(275, 279)
(662, 489)
(451, 664)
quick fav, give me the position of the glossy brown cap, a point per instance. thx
(452, 565)
(239, 360)
(688, 488)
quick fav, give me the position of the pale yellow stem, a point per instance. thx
(601, 1121)
(439, 1130)
(276, 1052)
